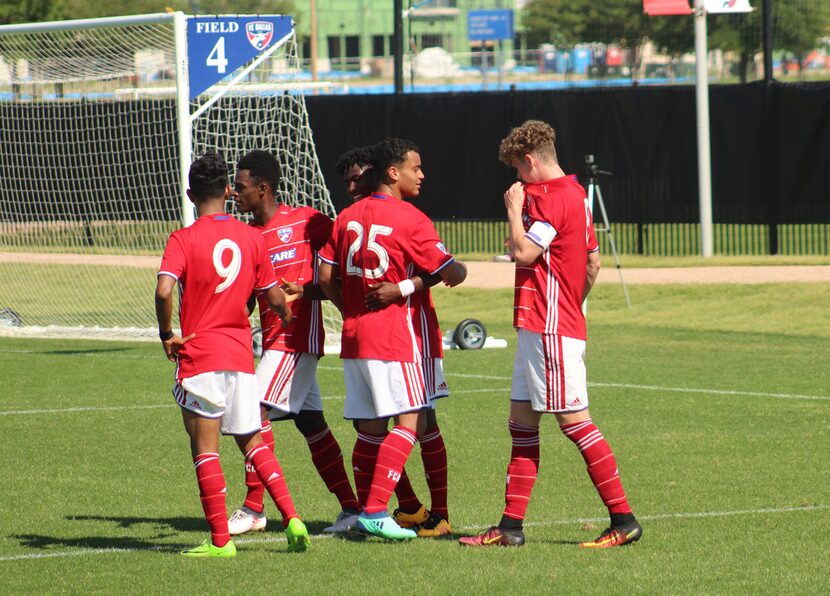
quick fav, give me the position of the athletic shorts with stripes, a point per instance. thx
(229, 395)
(434, 382)
(288, 383)
(382, 388)
(549, 372)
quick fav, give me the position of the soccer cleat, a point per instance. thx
(411, 520)
(345, 521)
(246, 520)
(384, 527)
(495, 536)
(297, 536)
(207, 549)
(437, 525)
(616, 536)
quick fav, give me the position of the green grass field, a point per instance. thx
(714, 398)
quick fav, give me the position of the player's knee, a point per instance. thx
(309, 423)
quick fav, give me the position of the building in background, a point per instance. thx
(357, 34)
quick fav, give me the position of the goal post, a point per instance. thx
(100, 122)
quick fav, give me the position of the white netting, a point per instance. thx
(89, 172)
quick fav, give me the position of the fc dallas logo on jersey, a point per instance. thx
(260, 34)
(284, 234)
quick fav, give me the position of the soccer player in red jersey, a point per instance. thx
(286, 373)
(382, 238)
(411, 513)
(218, 263)
(557, 262)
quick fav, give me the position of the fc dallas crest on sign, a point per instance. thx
(260, 34)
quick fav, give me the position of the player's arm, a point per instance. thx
(171, 342)
(278, 302)
(307, 291)
(591, 272)
(386, 292)
(327, 280)
(525, 251)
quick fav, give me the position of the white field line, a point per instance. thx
(561, 522)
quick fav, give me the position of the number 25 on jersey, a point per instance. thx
(375, 230)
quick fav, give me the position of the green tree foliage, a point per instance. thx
(24, 11)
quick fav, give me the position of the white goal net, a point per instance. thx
(91, 172)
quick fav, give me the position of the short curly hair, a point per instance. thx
(391, 152)
(208, 176)
(534, 136)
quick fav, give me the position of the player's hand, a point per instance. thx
(284, 313)
(174, 344)
(381, 295)
(293, 291)
(514, 197)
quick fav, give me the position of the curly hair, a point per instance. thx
(391, 152)
(208, 176)
(262, 167)
(534, 136)
(357, 156)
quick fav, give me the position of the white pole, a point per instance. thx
(704, 165)
(183, 115)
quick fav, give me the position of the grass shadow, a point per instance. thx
(179, 524)
(42, 542)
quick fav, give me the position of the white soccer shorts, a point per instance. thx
(434, 382)
(549, 372)
(382, 388)
(288, 382)
(229, 395)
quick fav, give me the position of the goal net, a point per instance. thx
(96, 139)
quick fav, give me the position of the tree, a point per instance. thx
(24, 11)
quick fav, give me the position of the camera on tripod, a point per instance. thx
(592, 169)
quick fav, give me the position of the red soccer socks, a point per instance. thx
(522, 469)
(602, 467)
(256, 490)
(392, 455)
(212, 494)
(268, 469)
(328, 459)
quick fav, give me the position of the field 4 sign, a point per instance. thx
(217, 46)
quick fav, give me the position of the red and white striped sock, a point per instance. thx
(602, 467)
(256, 490)
(434, 456)
(270, 474)
(212, 494)
(328, 459)
(364, 456)
(522, 469)
(392, 456)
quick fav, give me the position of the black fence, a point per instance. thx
(770, 148)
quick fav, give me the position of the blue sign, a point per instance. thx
(483, 25)
(217, 46)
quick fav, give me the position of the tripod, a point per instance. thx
(594, 191)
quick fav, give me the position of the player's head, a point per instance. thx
(528, 146)
(398, 165)
(355, 168)
(208, 178)
(256, 181)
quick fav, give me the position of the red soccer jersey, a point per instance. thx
(378, 239)
(425, 323)
(218, 263)
(548, 295)
(292, 237)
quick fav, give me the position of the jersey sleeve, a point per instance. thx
(328, 253)
(264, 275)
(319, 229)
(428, 252)
(174, 260)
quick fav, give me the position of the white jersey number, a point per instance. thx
(383, 257)
(227, 272)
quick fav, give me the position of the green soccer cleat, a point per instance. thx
(297, 536)
(384, 527)
(207, 549)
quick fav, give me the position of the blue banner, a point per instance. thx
(484, 25)
(217, 46)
